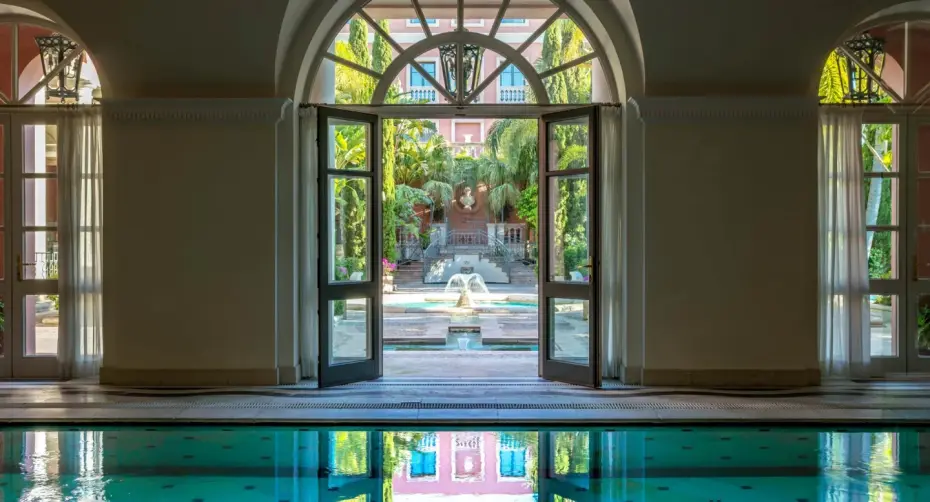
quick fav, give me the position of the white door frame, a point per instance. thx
(905, 285)
(425, 112)
(16, 284)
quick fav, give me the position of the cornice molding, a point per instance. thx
(265, 110)
(687, 108)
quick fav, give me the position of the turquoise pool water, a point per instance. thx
(479, 305)
(498, 347)
(207, 464)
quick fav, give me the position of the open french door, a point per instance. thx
(349, 145)
(29, 247)
(568, 265)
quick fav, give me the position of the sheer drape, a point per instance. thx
(612, 219)
(844, 278)
(80, 174)
(309, 322)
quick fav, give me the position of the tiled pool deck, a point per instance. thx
(463, 401)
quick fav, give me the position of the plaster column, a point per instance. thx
(729, 247)
(194, 242)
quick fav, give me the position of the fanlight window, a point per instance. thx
(883, 64)
(43, 66)
(551, 53)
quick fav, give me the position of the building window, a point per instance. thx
(470, 23)
(423, 458)
(511, 458)
(432, 23)
(514, 22)
(511, 86)
(417, 79)
(422, 464)
(512, 77)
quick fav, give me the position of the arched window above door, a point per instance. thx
(397, 53)
(885, 62)
(39, 65)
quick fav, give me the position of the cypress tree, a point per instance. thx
(358, 41)
(381, 51)
(381, 59)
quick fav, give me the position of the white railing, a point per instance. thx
(511, 94)
(427, 94)
(513, 236)
(471, 149)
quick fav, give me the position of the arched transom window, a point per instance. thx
(885, 63)
(39, 65)
(528, 51)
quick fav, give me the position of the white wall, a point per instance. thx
(730, 288)
(190, 246)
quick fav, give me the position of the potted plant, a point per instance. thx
(387, 269)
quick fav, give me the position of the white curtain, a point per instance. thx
(844, 276)
(611, 226)
(80, 175)
(308, 297)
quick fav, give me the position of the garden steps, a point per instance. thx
(521, 273)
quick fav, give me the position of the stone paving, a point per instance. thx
(455, 401)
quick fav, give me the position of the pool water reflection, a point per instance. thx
(203, 464)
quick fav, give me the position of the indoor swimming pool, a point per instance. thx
(206, 464)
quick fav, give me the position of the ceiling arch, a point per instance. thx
(311, 25)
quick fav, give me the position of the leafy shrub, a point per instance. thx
(923, 329)
(345, 267)
(576, 257)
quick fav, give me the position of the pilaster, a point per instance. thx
(728, 246)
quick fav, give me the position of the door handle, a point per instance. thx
(20, 265)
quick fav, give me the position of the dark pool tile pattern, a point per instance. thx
(597, 465)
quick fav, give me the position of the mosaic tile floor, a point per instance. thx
(487, 401)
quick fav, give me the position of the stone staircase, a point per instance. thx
(522, 274)
(409, 274)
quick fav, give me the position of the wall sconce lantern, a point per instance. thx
(54, 49)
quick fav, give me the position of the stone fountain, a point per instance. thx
(464, 324)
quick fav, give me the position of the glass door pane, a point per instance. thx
(350, 238)
(351, 467)
(567, 252)
(884, 217)
(915, 343)
(6, 345)
(32, 321)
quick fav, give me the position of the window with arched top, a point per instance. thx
(883, 63)
(415, 53)
(39, 65)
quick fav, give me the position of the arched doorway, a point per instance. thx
(390, 86)
(45, 75)
(879, 72)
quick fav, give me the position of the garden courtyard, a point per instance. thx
(425, 335)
